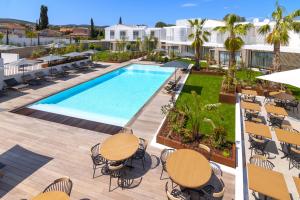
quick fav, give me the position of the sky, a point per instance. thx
(107, 12)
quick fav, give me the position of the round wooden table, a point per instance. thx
(55, 195)
(119, 147)
(188, 168)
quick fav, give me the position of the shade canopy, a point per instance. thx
(291, 77)
(23, 62)
(73, 54)
(186, 55)
(51, 58)
(176, 64)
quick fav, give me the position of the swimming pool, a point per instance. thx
(113, 98)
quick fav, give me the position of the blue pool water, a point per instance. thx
(113, 98)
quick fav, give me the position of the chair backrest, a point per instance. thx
(169, 195)
(261, 161)
(204, 147)
(126, 130)
(256, 140)
(143, 144)
(295, 149)
(221, 193)
(164, 155)
(63, 185)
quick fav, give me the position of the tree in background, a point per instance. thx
(120, 20)
(199, 36)
(44, 22)
(278, 34)
(93, 32)
(30, 34)
(239, 18)
(160, 24)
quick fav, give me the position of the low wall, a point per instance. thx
(24, 52)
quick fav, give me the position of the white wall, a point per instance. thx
(1, 73)
(9, 57)
(22, 41)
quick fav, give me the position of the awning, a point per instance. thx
(51, 58)
(73, 54)
(291, 77)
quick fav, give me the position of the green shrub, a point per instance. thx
(107, 56)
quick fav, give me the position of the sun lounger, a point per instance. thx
(28, 79)
(15, 85)
(55, 73)
(67, 69)
(80, 67)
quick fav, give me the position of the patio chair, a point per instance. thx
(214, 191)
(294, 155)
(252, 116)
(116, 170)
(262, 161)
(176, 194)
(205, 149)
(97, 158)
(268, 97)
(126, 130)
(141, 152)
(293, 105)
(28, 79)
(257, 145)
(275, 120)
(216, 169)
(63, 185)
(163, 159)
(12, 83)
(289, 128)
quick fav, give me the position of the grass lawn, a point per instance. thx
(244, 75)
(208, 88)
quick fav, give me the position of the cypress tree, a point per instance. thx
(93, 32)
(44, 22)
(120, 20)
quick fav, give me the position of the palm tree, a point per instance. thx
(278, 34)
(199, 36)
(234, 42)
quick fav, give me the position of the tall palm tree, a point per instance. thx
(199, 36)
(234, 42)
(278, 34)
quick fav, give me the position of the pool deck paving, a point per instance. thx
(36, 151)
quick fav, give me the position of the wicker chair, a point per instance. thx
(176, 194)
(262, 161)
(163, 159)
(257, 145)
(63, 185)
(275, 120)
(216, 169)
(141, 152)
(214, 191)
(126, 130)
(115, 170)
(206, 149)
(294, 156)
(97, 158)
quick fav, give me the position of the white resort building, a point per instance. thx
(255, 53)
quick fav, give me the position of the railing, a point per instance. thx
(10, 70)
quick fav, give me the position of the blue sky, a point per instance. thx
(107, 12)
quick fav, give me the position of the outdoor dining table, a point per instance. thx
(188, 168)
(297, 183)
(119, 147)
(258, 129)
(250, 106)
(276, 110)
(287, 137)
(267, 182)
(53, 195)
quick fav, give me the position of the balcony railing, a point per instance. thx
(10, 70)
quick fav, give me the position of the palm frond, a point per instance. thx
(242, 29)
(221, 29)
(296, 27)
(264, 29)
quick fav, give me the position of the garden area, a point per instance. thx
(198, 117)
(118, 57)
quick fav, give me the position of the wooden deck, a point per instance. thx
(36, 152)
(70, 121)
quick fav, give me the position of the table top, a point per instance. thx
(119, 147)
(284, 96)
(287, 136)
(297, 183)
(54, 195)
(249, 92)
(258, 129)
(276, 110)
(267, 182)
(250, 106)
(188, 168)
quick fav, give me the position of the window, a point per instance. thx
(122, 35)
(112, 34)
(152, 33)
(224, 58)
(261, 59)
(135, 35)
